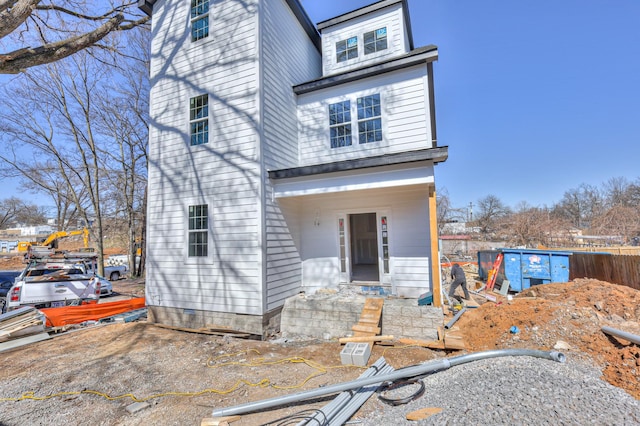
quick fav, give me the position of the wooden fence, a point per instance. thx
(618, 269)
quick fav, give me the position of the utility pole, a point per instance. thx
(470, 215)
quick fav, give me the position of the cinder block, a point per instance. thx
(361, 354)
(347, 352)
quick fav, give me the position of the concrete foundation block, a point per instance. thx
(347, 352)
(361, 354)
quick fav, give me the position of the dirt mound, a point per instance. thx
(569, 317)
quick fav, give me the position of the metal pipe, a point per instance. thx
(325, 414)
(455, 318)
(412, 371)
(634, 338)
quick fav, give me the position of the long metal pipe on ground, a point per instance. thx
(404, 373)
(455, 318)
(634, 338)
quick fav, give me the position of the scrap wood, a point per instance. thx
(365, 339)
(219, 421)
(431, 344)
(423, 413)
(206, 330)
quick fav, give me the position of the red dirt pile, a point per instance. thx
(568, 316)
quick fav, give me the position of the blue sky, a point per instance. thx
(533, 98)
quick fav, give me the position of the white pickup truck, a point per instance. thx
(112, 272)
(53, 282)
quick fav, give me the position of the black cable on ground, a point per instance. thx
(405, 400)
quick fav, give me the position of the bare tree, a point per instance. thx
(617, 192)
(446, 213)
(534, 226)
(59, 128)
(619, 221)
(489, 214)
(14, 211)
(40, 33)
(123, 116)
(581, 205)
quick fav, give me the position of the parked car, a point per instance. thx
(4, 288)
(106, 289)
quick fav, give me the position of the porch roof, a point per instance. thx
(437, 155)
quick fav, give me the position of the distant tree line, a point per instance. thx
(610, 211)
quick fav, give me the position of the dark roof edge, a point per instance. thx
(437, 155)
(415, 57)
(298, 11)
(146, 6)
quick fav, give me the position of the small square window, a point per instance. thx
(375, 41)
(347, 49)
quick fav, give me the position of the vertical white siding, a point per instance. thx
(288, 58)
(405, 125)
(390, 17)
(224, 173)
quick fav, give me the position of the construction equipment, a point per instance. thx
(493, 273)
(51, 240)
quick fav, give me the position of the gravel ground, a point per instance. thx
(517, 391)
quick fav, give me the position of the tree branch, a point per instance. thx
(16, 61)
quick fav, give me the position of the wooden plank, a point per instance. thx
(430, 344)
(219, 421)
(366, 328)
(365, 339)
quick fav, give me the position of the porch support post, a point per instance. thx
(435, 254)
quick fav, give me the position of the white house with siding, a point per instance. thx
(286, 157)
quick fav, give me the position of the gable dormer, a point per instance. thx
(365, 36)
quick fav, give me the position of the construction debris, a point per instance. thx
(21, 322)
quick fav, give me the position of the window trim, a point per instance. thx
(199, 17)
(369, 119)
(347, 50)
(375, 41)
(345, 124)
(199, 115)
(198, 228)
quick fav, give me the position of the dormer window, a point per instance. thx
(199, 19)
(375, 41)
(347, 49)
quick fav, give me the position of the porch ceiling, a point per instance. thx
(390, 176)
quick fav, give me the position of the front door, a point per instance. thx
(363, 235)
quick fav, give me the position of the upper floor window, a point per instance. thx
(375, 41)
(199, 19)
(369, 119)
(199, 119)
(340, 124)
(198, 230)
(347, 49)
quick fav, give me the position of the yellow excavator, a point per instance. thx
(23, 246)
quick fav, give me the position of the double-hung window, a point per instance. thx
(199, 119)
(369, 119)
(375, 41)
(347, 49)
(340, 124)
(199, 19)
(198, 231)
